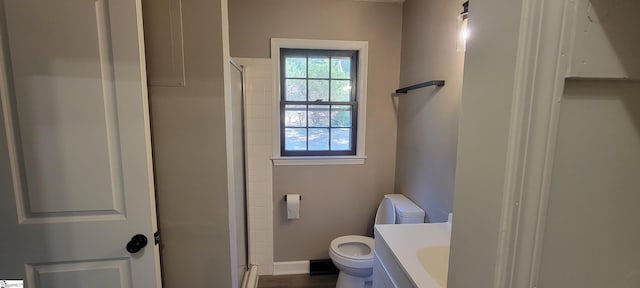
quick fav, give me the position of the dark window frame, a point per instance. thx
(353, 54)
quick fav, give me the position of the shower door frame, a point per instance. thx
(240, 68)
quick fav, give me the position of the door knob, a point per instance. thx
(137, 243)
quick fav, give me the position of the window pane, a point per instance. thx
(318, 89)
(318, 102)
(295, 116)
(295, 90)
(318, 139)
(318, 116)
(340, 139)
(295, 139)
(340, 67)
(341, 116)
(318, 67)
(341, 90)
(295, 67)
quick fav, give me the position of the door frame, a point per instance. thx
(547, 30)
(228, 111)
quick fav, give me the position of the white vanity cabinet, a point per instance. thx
(387, 272)
(405, 258)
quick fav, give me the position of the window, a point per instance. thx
(320, 101)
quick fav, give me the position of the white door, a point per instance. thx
(76, 180)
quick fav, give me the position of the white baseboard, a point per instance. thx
(291, 267)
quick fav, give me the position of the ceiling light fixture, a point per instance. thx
(463, 27)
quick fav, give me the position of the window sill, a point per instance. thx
(319, 160)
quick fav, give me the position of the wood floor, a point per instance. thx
(298, 281)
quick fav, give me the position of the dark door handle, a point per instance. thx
(137, 243)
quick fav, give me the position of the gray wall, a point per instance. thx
(485, 113)
(188, 130)
(337, 200)
(592, 231)
(428, 117)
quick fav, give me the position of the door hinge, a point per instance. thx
(156, 238)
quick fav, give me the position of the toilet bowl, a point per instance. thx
(353, 254)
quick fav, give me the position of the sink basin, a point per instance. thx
(435, 261)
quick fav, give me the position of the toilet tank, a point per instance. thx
(406, 211)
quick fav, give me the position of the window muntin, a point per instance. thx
(318, 102)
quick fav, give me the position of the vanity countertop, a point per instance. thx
(422, 251)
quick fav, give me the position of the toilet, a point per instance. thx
(353, 254)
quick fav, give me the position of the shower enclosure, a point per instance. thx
(239, 166)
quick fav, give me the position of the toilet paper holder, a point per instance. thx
(285, 197)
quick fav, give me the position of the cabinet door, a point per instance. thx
(380, 277)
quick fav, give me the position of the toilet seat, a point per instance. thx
(353, 251)
(366, 242)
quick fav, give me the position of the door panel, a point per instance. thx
(592, 232)
(75, 158)
(98, 274)
(65, 109)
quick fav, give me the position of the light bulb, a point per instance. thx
(463, 34)
(465, 31)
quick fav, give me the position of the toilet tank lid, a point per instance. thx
(405, 207)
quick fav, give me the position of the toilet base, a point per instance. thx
(349, 281)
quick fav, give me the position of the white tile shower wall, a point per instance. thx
(258, 118)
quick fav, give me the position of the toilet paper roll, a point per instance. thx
(293, 206)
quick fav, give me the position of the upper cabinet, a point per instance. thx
(163, 42)
(604, 38)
